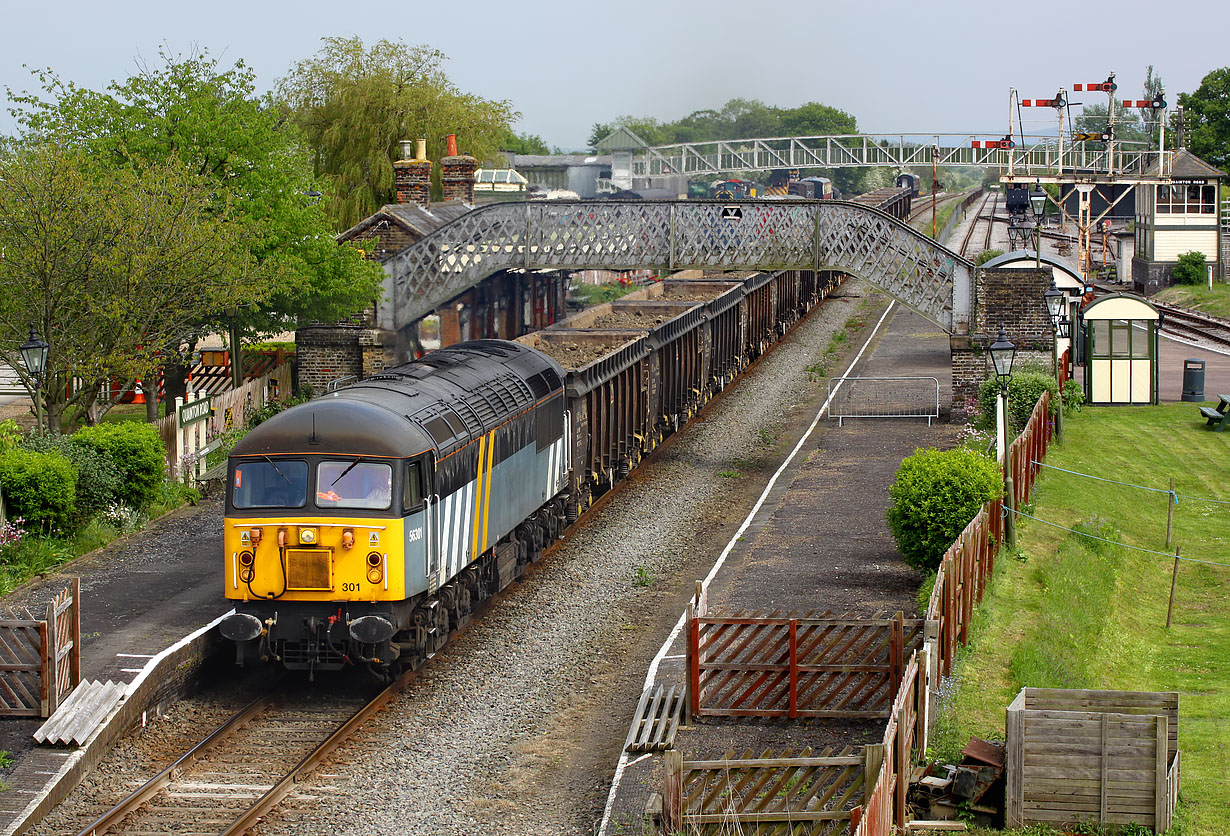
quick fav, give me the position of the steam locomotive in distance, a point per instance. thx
(363, 527)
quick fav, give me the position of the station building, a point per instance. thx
(1173, 218)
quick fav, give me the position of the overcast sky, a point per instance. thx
(896, 65)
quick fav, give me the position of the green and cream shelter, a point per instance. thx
(1121, 350)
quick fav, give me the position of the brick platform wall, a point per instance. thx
(1012, 298)
(328, 352)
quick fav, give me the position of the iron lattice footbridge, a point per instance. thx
(1026, 157)
(677, 235)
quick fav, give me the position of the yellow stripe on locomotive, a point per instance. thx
(315, 559)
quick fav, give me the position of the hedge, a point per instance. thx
(138, 454)
(40, 488)
(935, 495)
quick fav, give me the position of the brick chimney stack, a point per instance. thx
(412, 177)
(457, 173)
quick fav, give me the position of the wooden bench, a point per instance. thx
(1217, 418)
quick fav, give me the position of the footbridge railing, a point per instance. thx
(671, 235)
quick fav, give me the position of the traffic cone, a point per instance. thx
(139, 397)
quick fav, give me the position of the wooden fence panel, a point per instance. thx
(807, 793)
(751, 666)
(40, 659)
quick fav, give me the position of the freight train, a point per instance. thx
(365, 526)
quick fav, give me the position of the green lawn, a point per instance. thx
(1215, 302)
(1070, 612)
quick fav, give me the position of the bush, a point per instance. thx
(986, 255)
(1190, 269)
(138, 454)
(935, 495)
(40, 488)
(1024, 390)
(98, 477)
(10, 435)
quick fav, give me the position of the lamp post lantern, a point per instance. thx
(1003, 353)
(1037, 202)
(34, 354)
(1055, 304)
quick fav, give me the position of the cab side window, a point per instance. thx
(412, 486)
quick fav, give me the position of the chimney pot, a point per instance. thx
(451, 143)
(406, 146)
(421, 149)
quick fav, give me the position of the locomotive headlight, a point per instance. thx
(375, 567)
(307, 536)
(246, 572)
(347, 538)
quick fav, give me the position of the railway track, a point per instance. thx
(1184, 323)
(245, 767)
(984, 218)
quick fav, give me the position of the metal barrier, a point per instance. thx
(884, 397)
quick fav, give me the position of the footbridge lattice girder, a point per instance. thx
(677, 235)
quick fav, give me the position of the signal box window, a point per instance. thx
(270, 483)
(354, 484)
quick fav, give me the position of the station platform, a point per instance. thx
(819, 542)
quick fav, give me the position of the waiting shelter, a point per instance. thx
(1120, 333)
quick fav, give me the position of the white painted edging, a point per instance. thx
(652, 673)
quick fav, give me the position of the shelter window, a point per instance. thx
(354, 484)
(270, 483)
(1121, 338)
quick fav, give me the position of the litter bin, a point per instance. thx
(1193, 380)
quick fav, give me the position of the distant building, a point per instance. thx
(588, 175)
(492, 185)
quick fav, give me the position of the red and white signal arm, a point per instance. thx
(993, 144)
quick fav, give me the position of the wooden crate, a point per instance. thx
(1101, 756)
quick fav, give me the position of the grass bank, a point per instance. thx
(1069, 611)
(1215, 302)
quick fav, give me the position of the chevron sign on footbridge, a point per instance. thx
(675, 235)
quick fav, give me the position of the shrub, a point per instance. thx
(1024, 389)
(935, 495)
(138, 454)
(10, 435)
(986, 255)
(40, 488)
(1190, 269)
(98, 477)
(1073, 397)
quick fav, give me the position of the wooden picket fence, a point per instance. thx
(804, 793)
(1029, 447)
(40, 659)
(771, 666)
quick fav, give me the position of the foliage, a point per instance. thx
(239, 173)
(935, 495)
(514, 143)
(1073, 397)
(595, 294)
(986, 255)
(39, 488)
(1190, 269)
(1213, 300)
(11, 532)
(109, 265)
(355, 104)
(1024, 390)
(138, 454)
(97, 475)
(273, 407)
(123, 518)
(1207, 116)
(10, 435)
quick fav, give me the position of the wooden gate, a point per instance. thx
(757, 666)
(807, 793)
(40, 659)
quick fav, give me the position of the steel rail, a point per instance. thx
(146, 791)
(969, 233)
(1188, 322)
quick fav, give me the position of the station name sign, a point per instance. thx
(1189, 181)
(197, 410)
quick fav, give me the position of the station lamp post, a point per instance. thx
(1003, 353)
(34, 355)
(1037, 202)
(1054, 298)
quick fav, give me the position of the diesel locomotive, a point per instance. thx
(365, 526)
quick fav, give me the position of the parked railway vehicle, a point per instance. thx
(814, 188)
(733, 189)
(909, 182)
(365, 526)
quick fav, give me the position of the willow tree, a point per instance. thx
(355, 104)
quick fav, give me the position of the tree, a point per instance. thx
(355, 105)
(110, 265)
(190, 113)
(1207, 114)
(523, 144)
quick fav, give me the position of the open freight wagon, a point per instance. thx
(640, 367)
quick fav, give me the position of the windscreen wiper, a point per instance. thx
(279, 471)
(344, 472)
